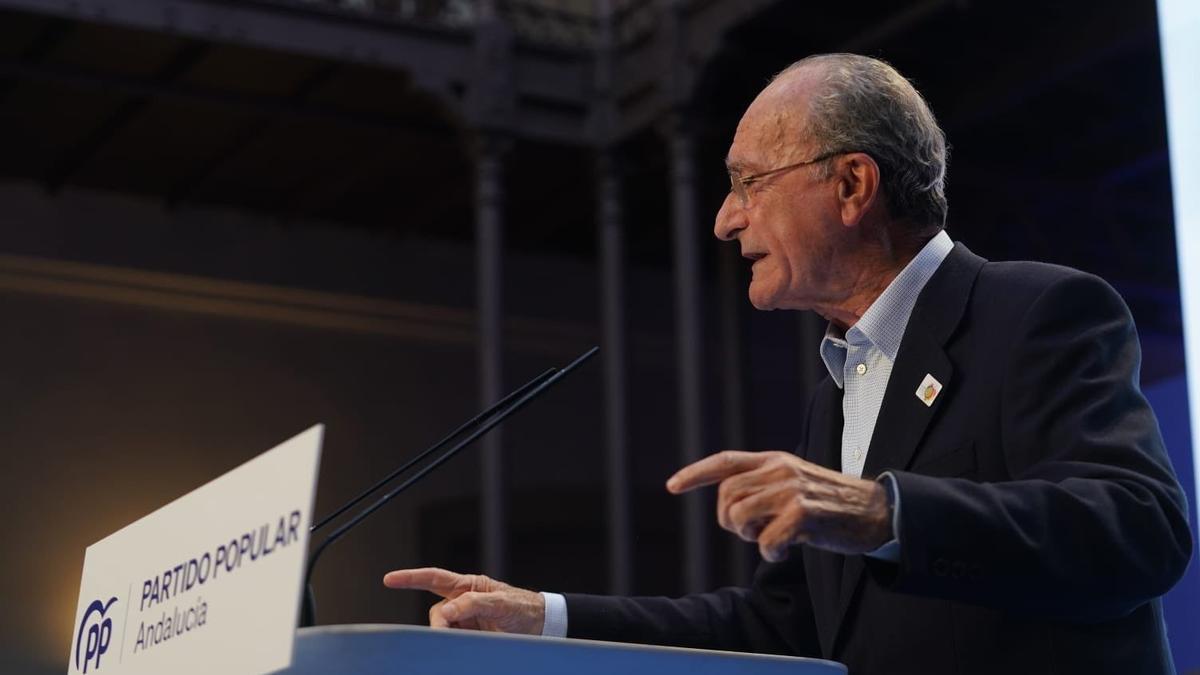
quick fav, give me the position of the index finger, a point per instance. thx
(714, 469)
(433, 579)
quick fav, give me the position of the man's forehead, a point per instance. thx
(764, 135)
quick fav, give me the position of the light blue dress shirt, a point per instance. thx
(860, 363)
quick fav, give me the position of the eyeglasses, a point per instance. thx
(738, 184)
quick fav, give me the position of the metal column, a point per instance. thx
(489, 220)
(612, 270)
(611, 241)
(490, 106)
(685, 232)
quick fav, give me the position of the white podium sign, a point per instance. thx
(210, 583)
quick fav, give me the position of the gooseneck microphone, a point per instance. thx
(473, 428)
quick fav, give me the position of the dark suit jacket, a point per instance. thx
(1040, 518)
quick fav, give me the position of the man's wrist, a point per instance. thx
(890, 549)
(881, 514)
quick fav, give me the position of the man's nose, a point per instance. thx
(731, 219)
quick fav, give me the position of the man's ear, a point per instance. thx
(857, 177)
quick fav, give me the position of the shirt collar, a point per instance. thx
(884, 322)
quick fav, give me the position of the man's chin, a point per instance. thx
(765, 303)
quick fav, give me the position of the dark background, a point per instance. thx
(212, 237)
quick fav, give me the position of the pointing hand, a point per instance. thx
(473, 601)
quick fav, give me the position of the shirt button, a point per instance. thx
(861, 369)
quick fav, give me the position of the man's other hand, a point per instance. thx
(778, 499)
(474, 601)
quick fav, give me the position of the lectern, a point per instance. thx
(398, 650)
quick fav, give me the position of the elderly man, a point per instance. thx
(981, 486)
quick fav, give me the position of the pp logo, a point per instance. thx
(99, 633)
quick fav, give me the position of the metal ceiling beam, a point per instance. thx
(439, 59)
(645, 88)
(553, 86)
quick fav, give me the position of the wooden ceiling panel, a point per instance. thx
(39, 122)
(112, 49)
(160, 146)
(240, 69)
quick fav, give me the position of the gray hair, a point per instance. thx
(865, 105)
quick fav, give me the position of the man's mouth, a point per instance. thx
(754, 258)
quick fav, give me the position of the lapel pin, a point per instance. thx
(929, 390)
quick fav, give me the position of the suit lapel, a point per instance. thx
(903, 418)
(822, 568)
(825, 434)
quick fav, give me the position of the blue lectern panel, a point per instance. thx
(376, 649)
